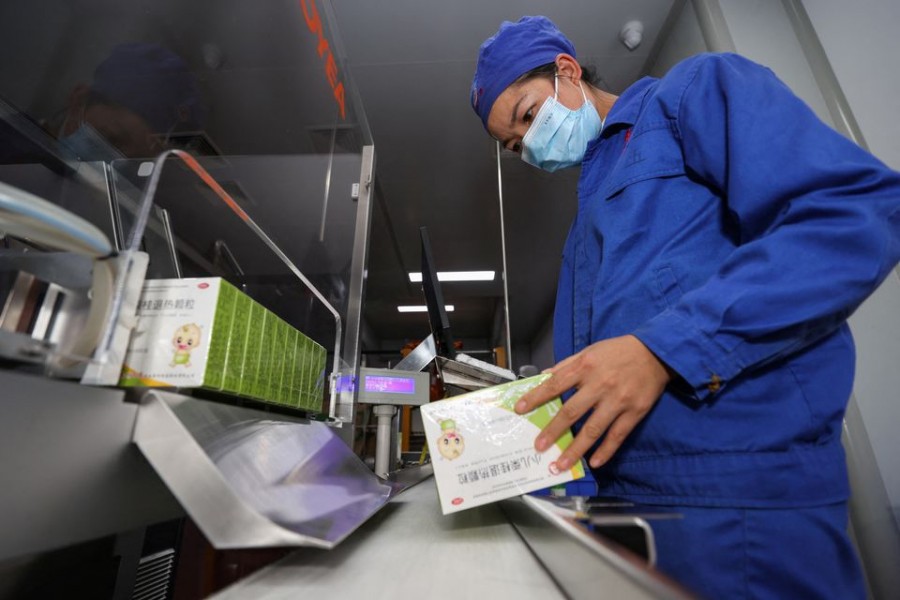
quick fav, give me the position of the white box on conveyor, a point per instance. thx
(482, 451)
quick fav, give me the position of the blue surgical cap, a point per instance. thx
(514, 50)
(152, 81)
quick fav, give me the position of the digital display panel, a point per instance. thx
(390, 385)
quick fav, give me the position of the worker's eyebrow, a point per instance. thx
(512, 119)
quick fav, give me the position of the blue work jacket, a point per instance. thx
(732, 232)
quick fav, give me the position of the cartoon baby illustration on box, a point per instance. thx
(186, 339)
(451, 444)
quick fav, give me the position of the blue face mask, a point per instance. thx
(88, 145)
(559, 136)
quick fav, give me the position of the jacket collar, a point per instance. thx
(626, 108)
(624, 113)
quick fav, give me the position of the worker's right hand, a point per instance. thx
(618, 379)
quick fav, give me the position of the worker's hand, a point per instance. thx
(619, 378)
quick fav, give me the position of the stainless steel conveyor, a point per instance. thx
(513, 549)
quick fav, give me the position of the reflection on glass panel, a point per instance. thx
(109, 79)
(210, 239)
(92, 90)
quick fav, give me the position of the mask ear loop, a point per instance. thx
(556, 88)
(583, 94)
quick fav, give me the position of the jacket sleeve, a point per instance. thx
(817, 217)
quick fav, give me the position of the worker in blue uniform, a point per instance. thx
(723, 236)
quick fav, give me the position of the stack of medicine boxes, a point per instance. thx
(203, 332)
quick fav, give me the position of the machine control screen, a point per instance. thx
(390, 385)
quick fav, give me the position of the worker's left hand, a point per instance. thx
(619, 378)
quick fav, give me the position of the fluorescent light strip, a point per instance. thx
(422, 308)
(457, 276)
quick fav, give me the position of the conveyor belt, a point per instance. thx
(410, 550)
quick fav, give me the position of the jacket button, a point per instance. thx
(715, 384)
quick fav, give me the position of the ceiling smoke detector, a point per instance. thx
(632, 34)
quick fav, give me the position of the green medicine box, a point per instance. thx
(182, 334)
(204, 332)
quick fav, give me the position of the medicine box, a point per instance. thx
(482, 451)
(204, 332)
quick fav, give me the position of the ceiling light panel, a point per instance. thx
(457, 276)
(421, 308)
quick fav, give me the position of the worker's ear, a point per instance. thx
(75, 106)
(78, 96)
(567, 66)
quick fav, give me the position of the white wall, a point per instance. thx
(862, 44)
(684, 39)
(762, 32)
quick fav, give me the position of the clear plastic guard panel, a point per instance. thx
(262, 98)
(249, 220)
